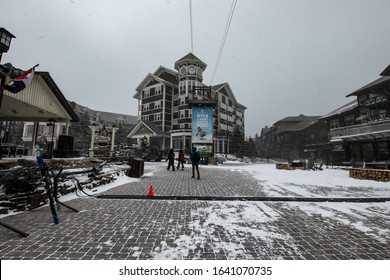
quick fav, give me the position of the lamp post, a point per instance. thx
(5, 42)
(114, 129)
(227, 142)
(92, 148)
(52, 123)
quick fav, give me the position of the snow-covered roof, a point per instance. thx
(343, 109)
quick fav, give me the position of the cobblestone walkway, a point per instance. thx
(182, 229)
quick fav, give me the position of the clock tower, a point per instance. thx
(190, 68)
(190, 75)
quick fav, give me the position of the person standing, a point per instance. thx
(180, 160)
(171, 160)
(195, 158)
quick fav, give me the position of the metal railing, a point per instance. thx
(367, 128)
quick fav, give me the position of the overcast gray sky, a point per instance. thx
(281, 57)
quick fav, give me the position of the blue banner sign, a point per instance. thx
(202, 125)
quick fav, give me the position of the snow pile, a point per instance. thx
(236, 221)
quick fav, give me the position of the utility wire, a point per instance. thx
(191, 29)
(232, 8)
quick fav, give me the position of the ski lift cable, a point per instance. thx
(234, 2)
(230, 17)
(191, 29)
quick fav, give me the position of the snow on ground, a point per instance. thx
(326, 183)
(239, 219)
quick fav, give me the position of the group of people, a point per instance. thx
(194, 157)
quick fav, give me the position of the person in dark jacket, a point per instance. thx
(171, 160)
(180, 160)
(195, 158)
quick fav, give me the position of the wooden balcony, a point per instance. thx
(202, 96)
(375, 100)
(370, 130)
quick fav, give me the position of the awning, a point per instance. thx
(365, 136)
(40, 101)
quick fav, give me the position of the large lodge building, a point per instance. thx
(357, 133)
(165, 100)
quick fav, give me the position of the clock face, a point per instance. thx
(183, 70)
(191, 70)
(199, 72)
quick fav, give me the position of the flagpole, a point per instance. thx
(23, 73)
(1, 86)
(4, 47)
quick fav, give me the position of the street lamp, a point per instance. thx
(114, 129)
(92, 148)
(52, 123)
(5, 40)
(5, 43)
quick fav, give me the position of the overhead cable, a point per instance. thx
(191, 29)
(232, 8)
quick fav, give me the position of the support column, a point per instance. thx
(67, 128)
(34, 137)
(114, 129)
(92, 147)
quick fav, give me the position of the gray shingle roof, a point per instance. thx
(343, 109)
(386, 72)
(377, 82)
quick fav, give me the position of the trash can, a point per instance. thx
(204, 160)
(136, 167)
(20, 151)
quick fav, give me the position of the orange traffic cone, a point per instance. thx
(150, 193)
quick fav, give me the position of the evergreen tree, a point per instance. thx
(250, 149)
(121, 135)
(237, 142)
(81, 133)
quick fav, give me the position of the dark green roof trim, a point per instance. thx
(58, 94)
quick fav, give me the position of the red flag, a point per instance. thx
(20, 82)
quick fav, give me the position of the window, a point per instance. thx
(177, 143)
(378, 115)
(362, 100)
(145, 118)
(157, 117)
(383, 149)
(146, 107)
(51, 130)
(30, 129)
(334, 123)
(157, 104)
(349, 120)
(41, 129)
(146, 93)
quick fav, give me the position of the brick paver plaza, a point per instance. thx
(106, 228)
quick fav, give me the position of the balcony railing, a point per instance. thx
(374, 100)
(360, 130)
(202, 96)
(378, 117)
